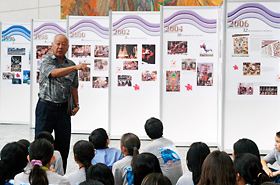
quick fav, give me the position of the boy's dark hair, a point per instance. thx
(278, 134)
(84, 153)
(154, 128)
(45, 135)
(98, 138)
(101, 173)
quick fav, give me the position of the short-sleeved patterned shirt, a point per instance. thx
(52, 89)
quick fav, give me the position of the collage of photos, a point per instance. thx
(130, 65)
(270, 48)
(101, 51)
(240, 45)
(125, 80)
(81, 51)
(268, 90)
(126, 51)
(251, 69)
(42, 50)
(16, 51)
(206, 49)
(148, 54)
(149, 76)
(245, 89)
(16, 64)
(100, 82)
(172, 81)
(189, 65)
(100, 64)
(177, 47)
(205, 74)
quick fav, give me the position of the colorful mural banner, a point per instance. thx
(102, 7)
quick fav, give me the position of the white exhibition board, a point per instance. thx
(15, 73)
(43, 32)
(252, 73)
(190, 81)
(89, 42)
(134, 93)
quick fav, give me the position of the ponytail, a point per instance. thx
(84, 153)
(261, 178)
(40, 154)
(132, 143)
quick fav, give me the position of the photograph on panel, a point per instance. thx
(245, 89)
(125, 80)
(205, 74)
(177, 47)
(148, 54)
(26, 77)
(37, 76)
(240, 45)
(8, 75)
(16, 81)
(42, 50)
(149, 76)
(206, 49)
(268, 90)
(16, 51)
(270, 48)
(16, 64)
(81, 51)
(130, 65)
(172, 81)
(100, 82)
(189, 64)
(126, 51)
(84, 75)
(100, 64)
(251, 69)
(101, 51)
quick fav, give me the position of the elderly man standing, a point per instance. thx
(57, 75)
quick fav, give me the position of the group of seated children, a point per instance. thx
(158, 163)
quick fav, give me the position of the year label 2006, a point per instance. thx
(121, 32)
(239, 24)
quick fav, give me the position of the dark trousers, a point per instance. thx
(51, 117)
(275, 179)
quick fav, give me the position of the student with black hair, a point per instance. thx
(103, 154)
(91, 182)
(13, 160)
(195, 157)
(271, 158)
(40, 157)
(144, 164)
(218, 169)
(83, 154)
(246, 146)
(164, 149)
(57, 164)
(249, 170)
(101, 173)
(156, 179)
(122, 171)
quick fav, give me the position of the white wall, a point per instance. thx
(24, 11)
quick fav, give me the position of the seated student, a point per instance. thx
(40, 157)
(83, 154)
(249, 170)
(13, 160)
(195, 157)
(272, 157)
(245, 146)
(164, 149)
(57, 164)
(144, 164)
(218, 169)
(101, 173)
(156, 179)
(103, 154)
(122, 171)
